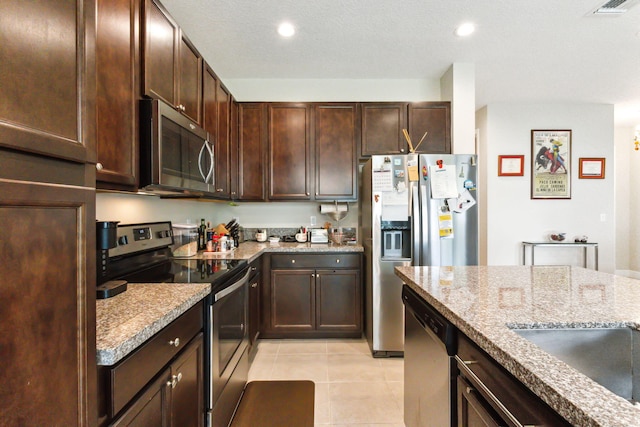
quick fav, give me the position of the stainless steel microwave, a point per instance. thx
(176, 155)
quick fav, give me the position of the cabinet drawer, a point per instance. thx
(129, 376)
(315, 261)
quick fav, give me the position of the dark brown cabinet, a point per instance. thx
(252, 151)
(172, 67)
(382, 125)
(336, 134)
(434, 118)
(47, 107)
(255, 288)
(174, 398)
(313, 296)
(47, 100)
(290, 154)
(163, 379)
(217, 120)
(117, 67)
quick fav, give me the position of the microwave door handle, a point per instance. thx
(211, 175)
(200, 161)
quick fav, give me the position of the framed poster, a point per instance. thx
(511, 165)
(591, 168)
(550, 164)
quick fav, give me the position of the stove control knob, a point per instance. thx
(122, 240)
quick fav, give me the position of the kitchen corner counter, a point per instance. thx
(485, 302)
(252, 250)
(127, 320)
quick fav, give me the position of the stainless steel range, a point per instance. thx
(142, 255)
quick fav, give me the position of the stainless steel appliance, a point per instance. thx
(176, 155)
(143, 255)
(415, 209)
(429, 365)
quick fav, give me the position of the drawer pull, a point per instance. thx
(338, 261)
(175, 342)
(175, 379)
(293, 261)
(254, 285)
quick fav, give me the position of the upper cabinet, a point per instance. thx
(434, 118)
(118, 87)
(382, 125)
(45, 76)
(252, 151)
(172, 67)
(289, 151)
(336, 133)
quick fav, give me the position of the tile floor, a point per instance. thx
(352, 388)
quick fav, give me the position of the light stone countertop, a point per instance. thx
(127, 320)
(485, 302)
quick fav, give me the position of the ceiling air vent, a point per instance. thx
(615, 7)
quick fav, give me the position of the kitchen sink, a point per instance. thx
(606, 355)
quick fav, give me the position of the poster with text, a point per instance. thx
(551, 168)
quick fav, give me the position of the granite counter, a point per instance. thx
(485, 303)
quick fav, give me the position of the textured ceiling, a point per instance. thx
(523, 50)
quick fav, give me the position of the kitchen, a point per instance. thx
(593, 123)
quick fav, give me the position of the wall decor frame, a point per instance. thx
(551, 164)
(510, 165)
(591, 167)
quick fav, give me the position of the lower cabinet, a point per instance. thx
(161, 383)
(313, 296)
(488, 395)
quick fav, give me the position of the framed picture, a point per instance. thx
(591, 168)
(511, 165)
(550, 164)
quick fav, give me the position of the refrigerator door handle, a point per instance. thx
(416, 237)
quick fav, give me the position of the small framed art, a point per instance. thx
(591, 168)
(511, 165)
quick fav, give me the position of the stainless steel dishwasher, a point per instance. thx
(429, 365)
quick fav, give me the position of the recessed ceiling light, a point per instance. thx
(465, 29)
(286, 29)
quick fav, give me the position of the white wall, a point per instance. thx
(624, 155)
(333, 90)
(512, 217)
(458, 85)
(132, 208)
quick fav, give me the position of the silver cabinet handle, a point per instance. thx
(175, 342)
(338, 261)
(254, 285)
(175, 379)
(293, 261)
(402, 150)
(99, 166)
(313, 275)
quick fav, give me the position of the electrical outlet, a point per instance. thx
(312, 220)
(603, 217)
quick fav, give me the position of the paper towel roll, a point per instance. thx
(326, 208)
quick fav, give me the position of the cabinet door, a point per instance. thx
(338, 300)
(252, 152)
(190, 80)
(160, 54)
(233, 149)
(47, 78)
(117, 66)
(336, 131)
(290, 154)
(209, 105)
(187, 389)
(293, 300)
(221, 142)
(472, 411)
(48, 304)
(151, 409)
(434, 118)
(382, 125)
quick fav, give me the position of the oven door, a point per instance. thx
(229, 341)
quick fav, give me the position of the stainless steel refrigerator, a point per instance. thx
(415, 209)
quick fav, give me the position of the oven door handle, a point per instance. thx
(232, 288)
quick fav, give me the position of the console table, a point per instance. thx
(585, 249)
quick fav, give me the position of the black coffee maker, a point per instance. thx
(106, 238)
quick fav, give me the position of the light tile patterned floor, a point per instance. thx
(352, 388)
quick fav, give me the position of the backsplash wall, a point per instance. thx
(134, 208)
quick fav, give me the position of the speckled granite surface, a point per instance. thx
(485, 302)
(127, 320)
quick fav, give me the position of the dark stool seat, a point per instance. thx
(276, 404)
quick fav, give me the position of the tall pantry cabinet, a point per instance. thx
(47, 212)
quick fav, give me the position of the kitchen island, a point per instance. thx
(486, 303)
